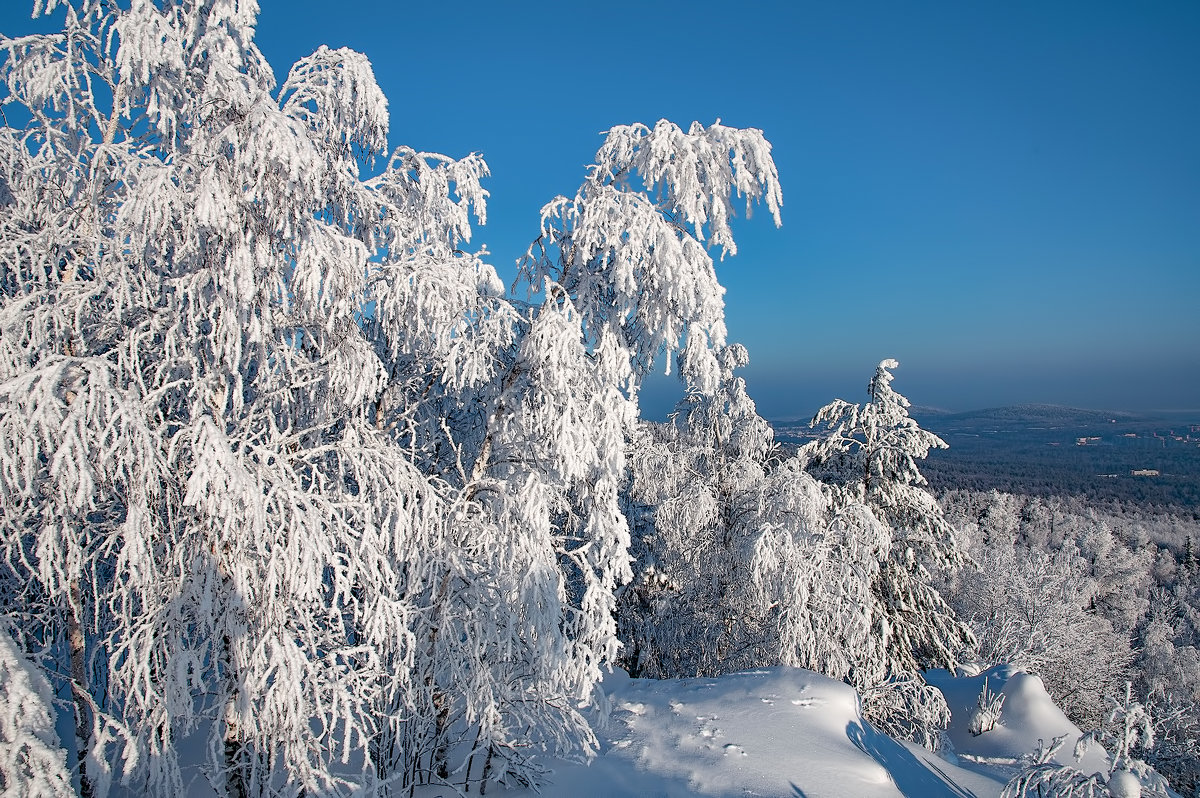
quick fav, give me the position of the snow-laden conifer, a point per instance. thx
(867, 455)
(867, 459)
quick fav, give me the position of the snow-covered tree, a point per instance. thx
(630, 249)
(194, 472)
(696, 503)
(280, 463)
(868, 456)
(628, 259)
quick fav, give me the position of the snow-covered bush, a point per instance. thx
(1127, 731)
(1045, 778)
(32, 762)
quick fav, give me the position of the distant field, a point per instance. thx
(1049, 450)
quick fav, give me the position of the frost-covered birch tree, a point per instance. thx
(281, 466)
(630, 251)
(218, 532)
(531, 441)
(627, 259)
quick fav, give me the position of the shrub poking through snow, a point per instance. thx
(987, 711)
(1128, 727)
(1046, 778)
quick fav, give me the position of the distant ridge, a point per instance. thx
(1032, 412)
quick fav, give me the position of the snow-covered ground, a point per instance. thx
(791, 732)
(770, 732)
(777, 731)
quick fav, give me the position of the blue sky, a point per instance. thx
(1003, 196)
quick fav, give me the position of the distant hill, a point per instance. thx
(1033, 414)
(1145, 459)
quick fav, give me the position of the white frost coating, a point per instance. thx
(32, 762)
(698, 172)
(867, 459)
(214, 469)
(623, 254)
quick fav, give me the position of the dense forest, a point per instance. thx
(1149, 461)
(294, 493)
(1088, 599)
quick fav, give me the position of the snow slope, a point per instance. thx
(793, 733)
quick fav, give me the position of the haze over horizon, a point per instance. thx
(1006, 198)
(925, 392)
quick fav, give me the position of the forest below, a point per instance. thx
(1049, 450)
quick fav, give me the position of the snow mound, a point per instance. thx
(1029, 714)
(775, 732)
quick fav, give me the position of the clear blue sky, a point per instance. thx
(1005, 196)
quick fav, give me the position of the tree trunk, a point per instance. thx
(234, 747)
(235, 782)
(77, 647)
(441, 702)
